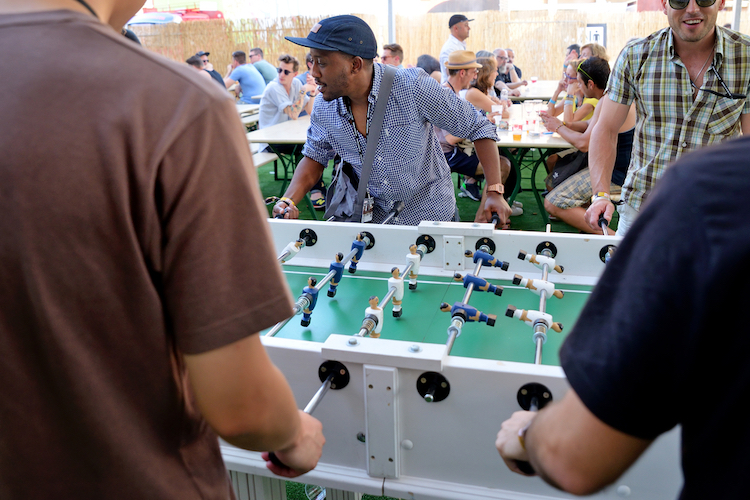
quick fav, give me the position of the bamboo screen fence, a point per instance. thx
(538, 38)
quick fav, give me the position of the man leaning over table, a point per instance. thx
(409, 164)
(689, 82)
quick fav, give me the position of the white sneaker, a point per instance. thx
(518, 204)
(515, 210)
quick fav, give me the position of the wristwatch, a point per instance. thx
(601, 195)
(496, 188)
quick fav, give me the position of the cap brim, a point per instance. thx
(306, 42)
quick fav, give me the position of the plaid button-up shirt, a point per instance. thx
(409, 165)
(670, 122)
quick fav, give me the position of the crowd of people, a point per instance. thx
(136, 274)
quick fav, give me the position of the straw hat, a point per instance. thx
(462, 59)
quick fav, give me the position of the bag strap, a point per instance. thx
(373, 137)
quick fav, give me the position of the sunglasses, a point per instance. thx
(285, 71)
(727, 93)
(681, 4)
(580, 70)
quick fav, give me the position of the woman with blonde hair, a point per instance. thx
(594, 50)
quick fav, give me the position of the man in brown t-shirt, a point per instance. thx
(135, 267)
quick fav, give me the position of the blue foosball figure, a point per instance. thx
(338, 269)
(359, 245)
(312, 294)
(468, 313)
(479, 283)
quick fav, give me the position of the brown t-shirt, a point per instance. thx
(129, 232)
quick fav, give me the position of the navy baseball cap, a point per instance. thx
(457, 18)
(347, 34)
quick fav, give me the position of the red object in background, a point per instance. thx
(190, 14)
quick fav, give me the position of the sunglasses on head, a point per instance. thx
(681, 4)
(285, 71)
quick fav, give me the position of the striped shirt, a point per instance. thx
(409, 165)
(670, 122)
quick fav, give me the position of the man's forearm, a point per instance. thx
(490, 160)
(602, 155)
(306, 175)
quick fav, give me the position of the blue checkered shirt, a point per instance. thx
(670, 122)
(409, 165)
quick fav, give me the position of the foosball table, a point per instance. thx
(413, 344)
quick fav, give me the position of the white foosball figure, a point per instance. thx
(531, 317)
(537, 286)
(395, 281)
(291, 250)
(413, 257)
(377, 313)
(540, 260)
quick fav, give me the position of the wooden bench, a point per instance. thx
(262, 158)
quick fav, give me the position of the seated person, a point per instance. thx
(507, 73)
(430, 65)
(196, 63)
(250, 80)
(592, 89)
(575, 106)
(567, 201)
(283, 100)
(594, 50)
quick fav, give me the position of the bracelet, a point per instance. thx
(522, 434)
(289, 202)
(569, 102)
(552, 101)
(601, 195)
(558, 127)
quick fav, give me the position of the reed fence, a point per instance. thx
(538, 38)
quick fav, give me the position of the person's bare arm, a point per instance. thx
(247, 401)
(569, 447)
(479, 100)
(495, 172)
(745, 124)
(306, 175)
(602, 154)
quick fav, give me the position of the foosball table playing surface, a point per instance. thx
(411, 402)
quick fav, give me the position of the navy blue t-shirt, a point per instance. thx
(662, 339)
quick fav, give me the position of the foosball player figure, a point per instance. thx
(537, 286)
(293, 249)
(397, 282)
(468, 313)
(487, 259)
(479, 284)
(415, 258)
(358, 245)
(338, 268)
(540, 260)
(312, 294)
(376, 314)
(531, 317)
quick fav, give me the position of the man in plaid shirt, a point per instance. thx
(689, 83)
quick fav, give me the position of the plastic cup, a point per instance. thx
(497, 108)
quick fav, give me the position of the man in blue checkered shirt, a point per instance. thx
(409, 165)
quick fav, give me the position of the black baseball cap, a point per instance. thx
(347, 34)
(457, 18)
(202, 53)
